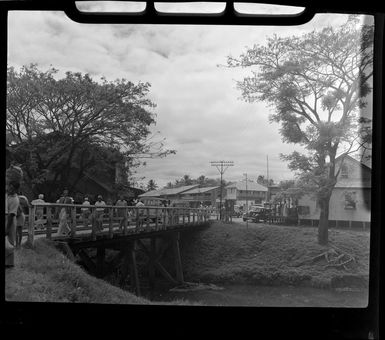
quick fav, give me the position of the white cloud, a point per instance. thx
(198, 110)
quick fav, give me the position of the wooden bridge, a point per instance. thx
(152, 230)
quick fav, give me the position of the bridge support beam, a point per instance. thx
(151, 265)
(133, 267)
(177, 258)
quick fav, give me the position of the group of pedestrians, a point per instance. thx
(17, 207)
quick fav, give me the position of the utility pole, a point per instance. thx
(221, 167)
(247, 204)
(267, 192)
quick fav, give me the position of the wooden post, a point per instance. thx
(93, 225)
(151, 264)
(31, 225)
(156, 218)
(148, 218)
(110, 222)
(137, 218)
(183, 216)
(177, 258)
(189, 216)
(73, 221)
(49, 223)
(134, 270)
(125, 221)
(164, 211)
(350, 224)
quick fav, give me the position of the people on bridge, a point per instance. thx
(86, 212)
(39, 212)
(20, 218)
(64, 229)
(99, 212)
(11, 207)
(121, 213)
(140, 213)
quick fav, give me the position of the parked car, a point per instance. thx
(257, 215)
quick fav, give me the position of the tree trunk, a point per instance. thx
(323, 225)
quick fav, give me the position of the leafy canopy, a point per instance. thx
(316, 83)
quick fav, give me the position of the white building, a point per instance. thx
(350, 202)
(242, 193)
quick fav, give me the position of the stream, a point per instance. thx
(267, 296)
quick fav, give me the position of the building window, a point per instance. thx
(344, 171)
(367, 198)
(350, 200)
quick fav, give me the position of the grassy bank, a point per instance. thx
(44, 274)
(273, 255)
(221, 254)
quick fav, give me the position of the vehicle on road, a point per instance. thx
(256, 215)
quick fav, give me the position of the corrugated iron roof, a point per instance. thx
(168, 191)
(251, 186)
(200, 190)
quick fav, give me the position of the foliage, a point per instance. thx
(151, 185)
(316, 84)
(201, 180)
(55, 124)
(263, 181)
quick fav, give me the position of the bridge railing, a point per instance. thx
(71, 220)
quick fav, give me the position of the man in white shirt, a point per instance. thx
(39, 210)
(99, 212)
(140, 212)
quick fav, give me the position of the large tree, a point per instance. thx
(57, 124)
(316, 83)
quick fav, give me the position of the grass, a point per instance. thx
(272, 255)
(43, 274)
(222, 253)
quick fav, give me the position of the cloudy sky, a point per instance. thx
(198, 111)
